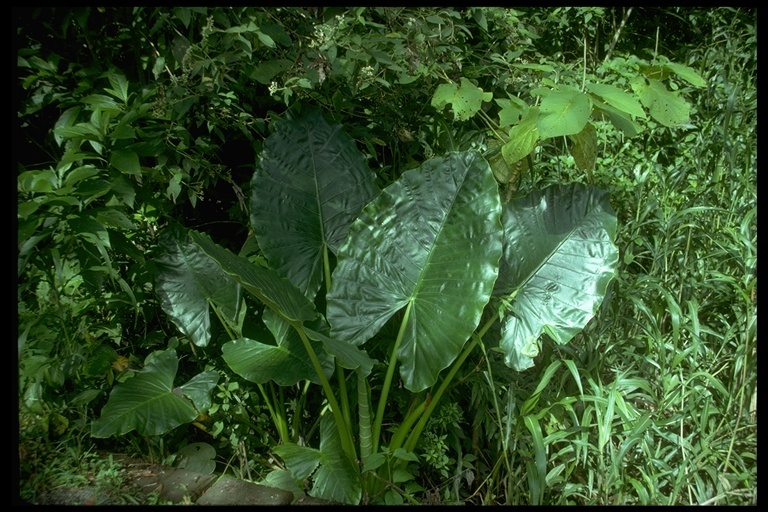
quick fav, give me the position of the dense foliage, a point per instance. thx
(152, 136)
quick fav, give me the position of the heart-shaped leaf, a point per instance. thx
(430, 241)
(309, 185)
(335, 477)
(148, 401)
(666, 107)
(466, 99)
(187, 282)
(264, 283)
(286, 363)
(558, 259)
(563, 111)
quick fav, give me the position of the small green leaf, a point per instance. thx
(511, 110)
(101, 101)
(265, 39)
(119, 86)
(126, 162)
(522, 137)
(66, 120)
(618, 99)
(199, 387)
(466, 100)
(584, 148)
(687, 74)
(564, 111)
(619, 119)
(146, 402)
(664, 106)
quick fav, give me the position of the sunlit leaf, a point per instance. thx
(558, 259)
(666, 107)
(465, 100)
(429, 242)
(563, 111)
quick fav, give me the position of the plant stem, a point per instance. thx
(277, 418)
(344, 428)
(326, 268)
(413, 438)
(364, 407)
(343, 394)
(388, 379)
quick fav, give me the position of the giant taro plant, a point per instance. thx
(436, 253)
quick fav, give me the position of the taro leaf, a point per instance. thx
(310, 184)
(282, 479)
(188, 280)
(430, 241)
(301, 461)
(276, 292)
(286, 363)
(348, 356)
(335, 477)
(198, 389)
(148, 402)
(558, 259)
(563, 111)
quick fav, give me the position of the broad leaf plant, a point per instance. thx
(439, 255)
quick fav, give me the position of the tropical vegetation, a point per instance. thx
(378, 255)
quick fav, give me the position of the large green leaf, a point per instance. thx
(558, 259)
(148, 402)
(335, 477)
(286, 363)
(276, 292)
(310, 184)
(188, 281)
(430, 241)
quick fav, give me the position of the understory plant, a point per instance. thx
(361, 292)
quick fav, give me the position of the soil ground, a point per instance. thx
(149, 483)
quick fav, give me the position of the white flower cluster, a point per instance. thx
(366, 73)
(322, 35)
